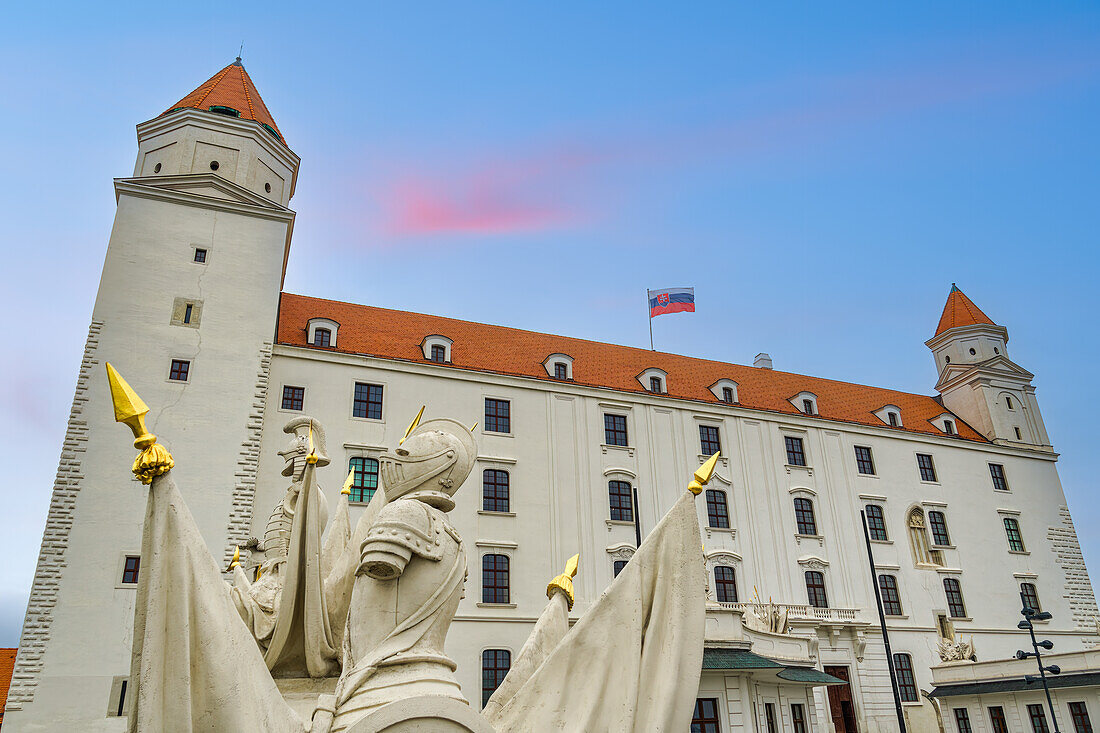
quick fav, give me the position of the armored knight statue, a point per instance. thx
(410, 578)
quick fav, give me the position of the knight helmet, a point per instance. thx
(431, 464)
(295, 453)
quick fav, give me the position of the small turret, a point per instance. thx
(977, 380)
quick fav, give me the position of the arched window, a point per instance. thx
(364, 480)
(893, 417)
(923, 554)
(717, 513)
(561, 370)
(494, 579)
(815, 589)
(727, 395)
(495, 664)
(907, 683)
(494, 483)
(953, 590)
(656, 385)
(937, 522)
(621, 498)
(439, 353)
(876, 523)
(1012, 530)
(322, 337)
(804, 516)
(1029, 594)
(891, 599)
(725, 584)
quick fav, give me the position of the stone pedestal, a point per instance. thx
(426, 714)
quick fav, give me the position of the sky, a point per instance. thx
(820, 173)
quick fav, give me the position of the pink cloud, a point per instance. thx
(432, 206)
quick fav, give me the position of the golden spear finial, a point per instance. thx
(564, 582)
(473, 427)
(130, 410)
(312, 457)
(703, 474)
(346, 491)
(413, 424)
(236, 558)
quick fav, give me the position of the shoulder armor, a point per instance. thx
(409, 524)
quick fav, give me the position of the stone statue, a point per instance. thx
(957, 650)
(767, 617)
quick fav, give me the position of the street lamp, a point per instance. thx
(1030, 615)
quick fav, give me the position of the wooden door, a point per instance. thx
(841, 707)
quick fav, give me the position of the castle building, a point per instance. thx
(583, 446)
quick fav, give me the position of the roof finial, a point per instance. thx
(955, 288)
(239, 54)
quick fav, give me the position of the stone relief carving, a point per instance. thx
(957, 650)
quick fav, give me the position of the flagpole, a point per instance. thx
(650, 314)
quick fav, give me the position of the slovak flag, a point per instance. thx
(671, 300)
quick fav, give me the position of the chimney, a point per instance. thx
(762, 361)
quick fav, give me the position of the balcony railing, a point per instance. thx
(802, 613)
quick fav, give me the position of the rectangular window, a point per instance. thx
(1029, 595)
(1012, 531)
(725, 584)
(808, 407)
(705, 717)
(962, 720)
(953, 590)
(891, 599)
(949, 427)
(494, 579)
(815, 589)
(322, 337)
(1038, 718)
(727, 395)
(618, 567)
(495, 489)
(187, 311)
(709, 443)
(927, 469)
(655, 385)
(997, 471)
(864, 462)
(997, 718)
(876, 523)
(621, 498)
(893, 416)
(200, 255)
(179, 370)
(364, 479)
(495, 664)
(498, 416)
(368, 401)
(907, 683)
(798, 717)
(561, 370)
(769, 716)
(937, 522)
(614, 429)
(717, 512)
(1079, 713)
(796, 453)
(130, 567)
(293, 397)
(439, 353)
(804, 516)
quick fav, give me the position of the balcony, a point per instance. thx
(803, 614)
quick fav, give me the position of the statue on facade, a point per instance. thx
(630, 663)
(957, 650)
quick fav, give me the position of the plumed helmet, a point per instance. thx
(431, 464)
(300, 427)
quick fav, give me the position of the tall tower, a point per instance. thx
(979, 383)
(186, 311)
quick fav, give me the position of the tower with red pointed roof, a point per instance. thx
(978, 381)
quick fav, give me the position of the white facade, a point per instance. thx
(223, 424)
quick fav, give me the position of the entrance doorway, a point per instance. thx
(841, 708)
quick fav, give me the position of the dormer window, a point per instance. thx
(559, 366)
(946, 423)
(725, 390)
(223, 110)
(893, 418)
(437, 348)
(805, 402)
(654, 380)
(949, 427)
(322, 332)
(890, 414)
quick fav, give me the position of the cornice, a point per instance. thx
(138, 188)
(191, 117)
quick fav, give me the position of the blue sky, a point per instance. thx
(820, 173)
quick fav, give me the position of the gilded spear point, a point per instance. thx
(346, 491)
(412, 425)
(130, 410)
(564, 582)
(703, 474)
(236, 558)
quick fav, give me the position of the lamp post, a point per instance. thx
(1030, 615)
(882, 625)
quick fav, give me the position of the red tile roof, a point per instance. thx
(7, 666)
(392, 334)
(960, 311)
(230, 87)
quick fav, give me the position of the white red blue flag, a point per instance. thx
(671, 300)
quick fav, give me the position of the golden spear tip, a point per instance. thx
(236, 558)
(564, 582)
(127, 404)
(571, 565)
(703, 474)
(348, 482)
(474, 427)
(413, 424)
